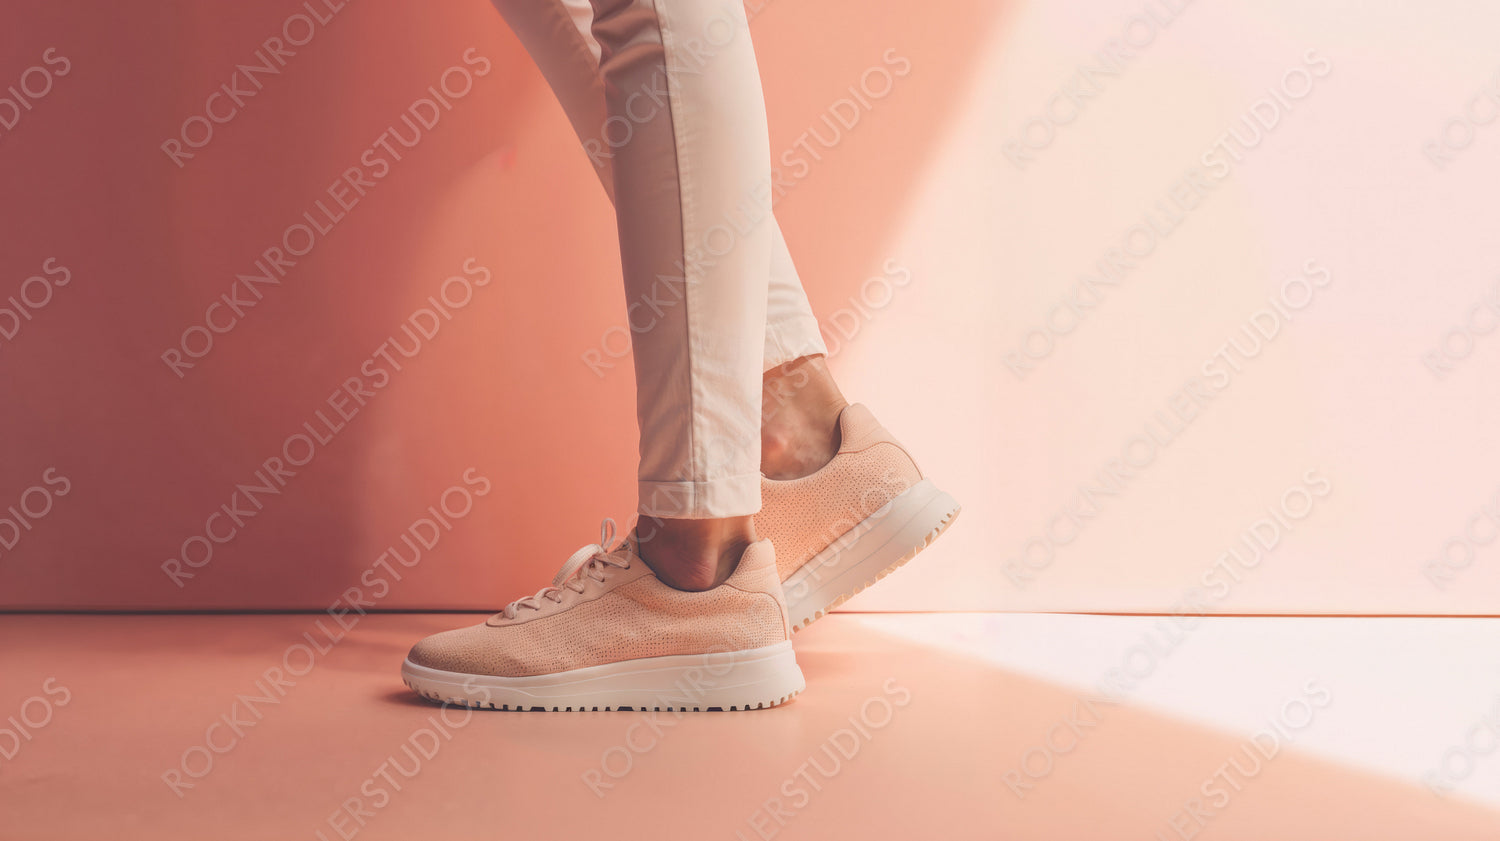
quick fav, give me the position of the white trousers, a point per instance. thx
(666, 98)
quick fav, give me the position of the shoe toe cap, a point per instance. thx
(476, 650)
(449, 651)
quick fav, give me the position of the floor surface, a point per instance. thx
(950, 726)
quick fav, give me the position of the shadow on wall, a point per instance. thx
(222, 383)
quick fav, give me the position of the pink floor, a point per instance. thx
(931, 711)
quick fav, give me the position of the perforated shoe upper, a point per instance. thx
(803, 516)
(622, 612)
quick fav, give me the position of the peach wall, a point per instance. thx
(1403, 250)
(496, 415)
(1395, 248)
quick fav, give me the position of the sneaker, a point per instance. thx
(854, 521)
(609, 635)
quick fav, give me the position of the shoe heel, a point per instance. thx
(869, 552)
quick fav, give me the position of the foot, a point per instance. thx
(842, 527)
(610, 635)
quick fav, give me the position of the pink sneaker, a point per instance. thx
(862, 515)
(609, 635)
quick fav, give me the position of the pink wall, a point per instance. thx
(121, 457)
(993, 173)
(1366, 211)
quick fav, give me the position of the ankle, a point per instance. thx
(800, 408)
(694, 555)
(797, 449)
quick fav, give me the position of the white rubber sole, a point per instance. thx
(729, 680)
(868, 552)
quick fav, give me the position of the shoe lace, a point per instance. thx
(589, 562)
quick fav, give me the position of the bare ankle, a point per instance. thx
(694, 555)
(800, 407)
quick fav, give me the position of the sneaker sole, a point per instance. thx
(731, 680)
(870, 551)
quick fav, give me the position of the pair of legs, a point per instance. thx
(665, 97)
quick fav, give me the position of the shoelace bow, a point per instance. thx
(589, 562)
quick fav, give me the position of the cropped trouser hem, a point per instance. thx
(792, 338)
(731, 496)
